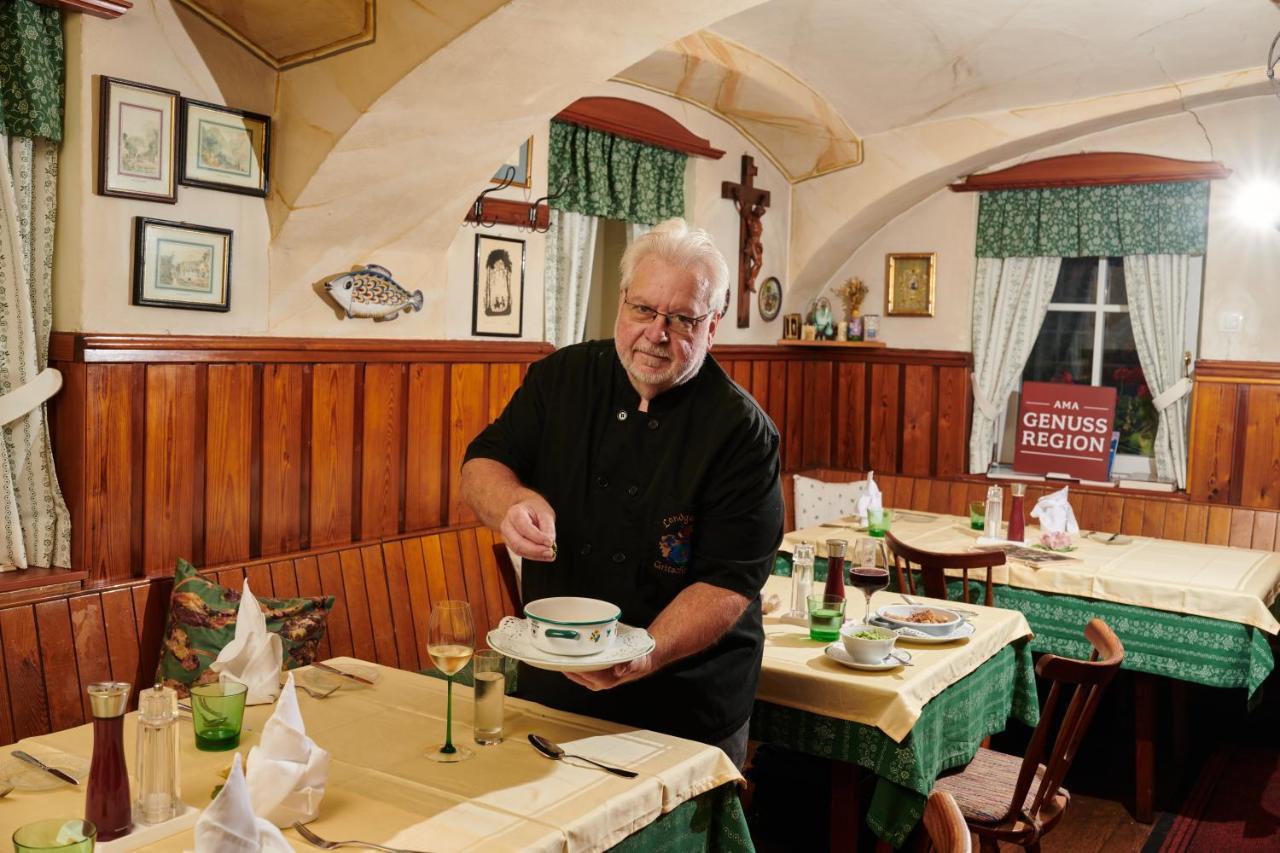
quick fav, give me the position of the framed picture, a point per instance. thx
(178, 265)
(791, 327)
(221, 148)
(769, 299)
(137, 137)
(498, 302)
(519, 168)
(908, 284)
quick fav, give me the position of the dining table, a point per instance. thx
(508, 797)
(903, 726)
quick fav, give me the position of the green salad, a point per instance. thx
(869, 635)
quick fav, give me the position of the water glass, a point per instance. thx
(217, 710)
(977, 515)
(879, 522)
(67, 835)
(489, 671)
(826, 617)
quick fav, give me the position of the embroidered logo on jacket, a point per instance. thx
(675, 545)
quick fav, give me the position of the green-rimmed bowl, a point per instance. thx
(572, 626)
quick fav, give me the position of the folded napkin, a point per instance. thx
(1057, 519)
(254, 657)
(228, 824)
(869, 499)
(287, 771)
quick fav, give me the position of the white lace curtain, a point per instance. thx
(570, 252)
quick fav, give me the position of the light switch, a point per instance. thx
(1230, 322)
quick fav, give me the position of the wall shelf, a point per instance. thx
(863, 344)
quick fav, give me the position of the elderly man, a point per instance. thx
(636, 471)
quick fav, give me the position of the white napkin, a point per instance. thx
(254, 657)
(228, 824)
(287, 771)
(869, 499)
(1057, 519)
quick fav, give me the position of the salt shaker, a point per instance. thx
(801, 579)
(159, 796)
(995, 499)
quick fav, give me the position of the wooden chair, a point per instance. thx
(1004, 798)
(943, 821)
(933, 566)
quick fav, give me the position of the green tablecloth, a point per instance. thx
(1206, 651)
(713, 821)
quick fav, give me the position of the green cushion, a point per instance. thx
(202, 619)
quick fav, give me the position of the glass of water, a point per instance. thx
(490, 684)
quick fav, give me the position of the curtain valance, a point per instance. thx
(31, 68)
(1075, 222)
(613, 177)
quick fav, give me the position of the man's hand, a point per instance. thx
(525, 519)
(529, 527)
(612, 677)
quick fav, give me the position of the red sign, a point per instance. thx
(1065, 429)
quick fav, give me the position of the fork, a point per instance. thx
(317, 841)
(319, 694)
(952, 609)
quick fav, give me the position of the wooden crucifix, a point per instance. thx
(751, 203)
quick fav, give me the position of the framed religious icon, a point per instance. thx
(178, 265)
(791, 327)
(221, 148)
(908, 284)
(137, 137)
(769, 298)
(518, 168)
(498, 301)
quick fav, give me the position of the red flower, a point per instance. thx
(1143, 391)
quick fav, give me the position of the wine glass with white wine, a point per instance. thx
(451, 640)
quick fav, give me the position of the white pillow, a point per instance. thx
(818, 501)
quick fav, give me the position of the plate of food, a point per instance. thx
(914, 635)
(934, 621)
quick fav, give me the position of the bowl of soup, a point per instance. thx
(567, 625)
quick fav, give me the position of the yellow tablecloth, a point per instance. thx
(796, 674)
(381, 788)
(1235, 584)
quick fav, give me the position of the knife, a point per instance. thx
(337, 671)
(53, 771)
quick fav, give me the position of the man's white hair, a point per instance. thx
(687, 248)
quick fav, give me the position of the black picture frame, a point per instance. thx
(111, 179)
(144, 295)
(492, 321)
(190, 176)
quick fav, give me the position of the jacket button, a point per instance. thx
(633, 490)
(653, 424)
(619, 557)
(602, 481)
(622, 414)
(586, 550)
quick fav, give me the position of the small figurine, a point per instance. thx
(371, 292)
(823, 320)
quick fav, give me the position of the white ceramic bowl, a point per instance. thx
(897, 615)
(863, 650)
(572, 626)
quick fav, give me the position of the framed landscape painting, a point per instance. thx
(498, 301)
(178, 265)
(137, 137)
(225, 149)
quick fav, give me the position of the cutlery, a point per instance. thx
(952, 609)
(900, 660)
(317, 841)
(319, 694)
(53, 771)
(6, 791)
(336, 671)
(551, 750)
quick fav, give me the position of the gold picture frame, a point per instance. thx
(521, 171)
(909, 281)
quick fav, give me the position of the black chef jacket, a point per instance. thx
(646, 504)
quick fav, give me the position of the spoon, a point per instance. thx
(551, 750)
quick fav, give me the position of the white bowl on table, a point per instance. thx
(864, 649)
(568, 625)
(899, 616)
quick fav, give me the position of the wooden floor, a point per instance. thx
(1093, 824)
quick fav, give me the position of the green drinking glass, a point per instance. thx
(879, 521)
(977, 515)
(826, 617)
(218, 712)
(67, 835)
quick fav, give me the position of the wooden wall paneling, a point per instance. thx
(286, 416)
(1112, 514)
(496, 595)
(1175, 521)
(353, 587)
(122, 636)
(415, 565)
(259, 578)
(173, 459)
(504, 379)
(401, 603)
(339, 633)
(850, 444)
(67, 411)
(151, 609)
(333, 440)
(474, 579)
(468, 412)
(798, 414)
(433, 555)
(1211, 440)
(379, 604)
(6, 710)
(383, 437)
(958, 500)
(58, 651)
(1264, 531)
(919, 395)
(427, 449)
(307, 572)
(1153, 513)
(778, 406)
(1218, 530)
(940, 499)
(1197, 523)
(1131, 517)
(105, 535)
(1240, 531)
(760, 384)
(952, 422)
(818, 413)
(884, 404)
(89, 633)
(232, 578)
(454, 578)
(229, 461)
(24, 672)
(284, 583)
(1260, 471)
(1090, 515)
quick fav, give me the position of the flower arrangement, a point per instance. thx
(1136, 416)
(851, 293)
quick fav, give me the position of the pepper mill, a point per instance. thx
(159, 795)
(1017, 521)
(107, 803)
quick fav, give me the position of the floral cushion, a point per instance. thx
(202, 619)
(818, 501)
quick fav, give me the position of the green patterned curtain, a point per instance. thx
(612, 177)
(31, 65)
(1084, 222)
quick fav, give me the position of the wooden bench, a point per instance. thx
(55, 645)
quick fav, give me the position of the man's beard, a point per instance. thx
(672, 375)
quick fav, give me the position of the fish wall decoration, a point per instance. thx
(371, 292)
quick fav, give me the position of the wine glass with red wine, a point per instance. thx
(870, 570)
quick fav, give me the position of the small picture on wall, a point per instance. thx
(137, 137)
(909, 283)
(498, 301)
(225, 149)
(518, 168)
(177, 265)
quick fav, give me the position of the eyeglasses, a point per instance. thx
(682, 323)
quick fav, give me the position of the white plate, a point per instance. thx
(1106, 538)
(911, 635)
(512, 639)
(318, 679)
(836, 652)
(24, 777)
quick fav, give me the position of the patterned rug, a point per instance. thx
(1234, 806)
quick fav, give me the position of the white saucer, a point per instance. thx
(836, 652)
(25, 777)
(318, 679)
(911, 635)
(1109, 539)
(512, 639)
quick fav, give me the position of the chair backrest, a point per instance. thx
(817, 501)
(933, 566)
(943, 820)
(510, 574)
(1090, 678)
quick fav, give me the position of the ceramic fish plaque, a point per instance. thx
(371, 292)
